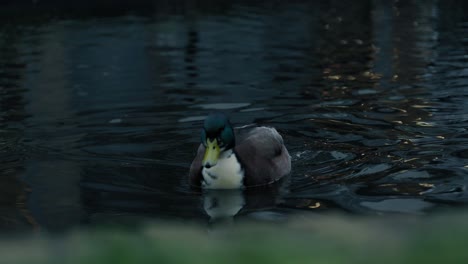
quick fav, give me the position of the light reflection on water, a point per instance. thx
(101, 113)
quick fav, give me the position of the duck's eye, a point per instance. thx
(220, 141)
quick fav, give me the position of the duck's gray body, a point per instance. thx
(259, 157)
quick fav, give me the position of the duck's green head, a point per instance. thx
(217, 136)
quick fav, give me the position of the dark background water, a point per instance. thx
(102, 101)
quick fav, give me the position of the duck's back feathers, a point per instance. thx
(262, 154)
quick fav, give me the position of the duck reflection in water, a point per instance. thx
(223, 205)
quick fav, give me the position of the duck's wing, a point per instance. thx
(263, 155)
(195, 175)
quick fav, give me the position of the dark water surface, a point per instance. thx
(101, 107)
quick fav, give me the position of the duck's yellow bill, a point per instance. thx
(211, 153)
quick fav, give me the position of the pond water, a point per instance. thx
(102, 106)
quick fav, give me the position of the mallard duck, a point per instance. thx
(230, 158)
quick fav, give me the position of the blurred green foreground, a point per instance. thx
(316, 239)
